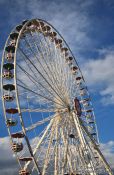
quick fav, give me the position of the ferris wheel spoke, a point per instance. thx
(41, 140)
(81, 160)
(60, 61)
(84, 146)
(44, 97)
(57, 139)
(68, 153)
(49, 66)
(68, 156)
(84, 167)
(37, 110)
(43, 136)
(44, 110)
(42, 53)
(60, 70)
(65, 157)
(36, 83)
(35, 67)
(106, 165)
(31, 71)
(51, 80)
(47, 157)
(43, 150)
(38, 123)
(38, 137)
(42, 75)
(55, 80)
(36, 90)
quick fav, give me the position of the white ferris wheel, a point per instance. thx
(47, 106)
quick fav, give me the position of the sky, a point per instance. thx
(88, 28)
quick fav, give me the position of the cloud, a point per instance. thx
(70, 18)
(8, 164)
(108, 152)
(99, 74)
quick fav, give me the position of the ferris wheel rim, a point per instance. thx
(15, 82)
(3, 102)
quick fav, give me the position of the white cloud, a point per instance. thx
(70, 18)
(8, 164)
(108, 152)
(99, 74)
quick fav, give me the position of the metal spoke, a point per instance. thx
(38, 123)
(34, 92)
(36, 82)
(42, 75)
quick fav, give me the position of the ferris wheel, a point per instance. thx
(47, 106)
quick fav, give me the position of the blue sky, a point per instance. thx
(88, 28)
